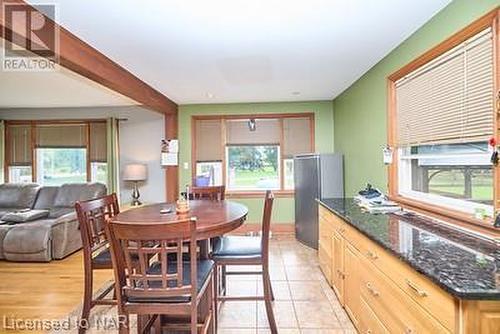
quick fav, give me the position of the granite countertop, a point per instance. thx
(463, 265)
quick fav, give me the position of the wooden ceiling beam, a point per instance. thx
(79, 57)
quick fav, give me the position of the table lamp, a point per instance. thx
(135, 173)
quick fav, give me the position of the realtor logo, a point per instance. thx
(31, 40)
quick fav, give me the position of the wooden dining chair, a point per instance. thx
(244, 250)
(161, 281)
(214, 193)
(92, 217)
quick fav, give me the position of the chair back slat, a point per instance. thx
(92, 217)
(148, 258)
(213, 193)
(266, 221)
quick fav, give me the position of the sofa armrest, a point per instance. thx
(66, 236)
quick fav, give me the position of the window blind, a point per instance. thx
(267, 131)
(450, 99)
(208, 140)
(19, 145)
(296, 136)
(98, 142)
(61, 136)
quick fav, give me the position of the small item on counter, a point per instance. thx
(497, 221)
(494, 151)
(369, 192)
(374, 201)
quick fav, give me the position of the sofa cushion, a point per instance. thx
(4, 211)
(68, 194)
(17, 195)
(25, 216)
(45, 198)
(59, 212)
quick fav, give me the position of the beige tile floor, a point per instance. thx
(304, 301)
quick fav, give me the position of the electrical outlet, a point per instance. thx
(186, 165)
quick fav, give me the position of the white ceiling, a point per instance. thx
(245, 51)
(61, 88)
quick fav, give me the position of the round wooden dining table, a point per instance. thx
(214, 218)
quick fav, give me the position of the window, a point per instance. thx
(253, 167)
(56, 166)
(99, 172)
(440, 122)
(288, 170)
(455, 175)
(209, 173)
(250, 154)
(56, 153)
(20, 174)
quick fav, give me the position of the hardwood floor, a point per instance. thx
(43, 290)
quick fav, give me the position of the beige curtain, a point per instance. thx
(98, 142)
(2, 151)
(113, 156)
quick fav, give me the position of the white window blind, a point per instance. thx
(450, 99)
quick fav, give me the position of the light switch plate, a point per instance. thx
(186, 165)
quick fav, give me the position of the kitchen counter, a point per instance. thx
(463, 265)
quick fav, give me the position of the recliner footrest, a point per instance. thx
(28, 244)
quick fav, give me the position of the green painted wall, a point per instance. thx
(283, 211)
(360, 127)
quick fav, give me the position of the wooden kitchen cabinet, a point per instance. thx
(352, 282)
(338, 265)
(382, 294)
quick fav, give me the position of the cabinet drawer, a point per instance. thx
(369, 323)
(397, 312)
(425, 293)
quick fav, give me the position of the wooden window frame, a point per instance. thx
(491, 19)
(223, 118)
(33, 124)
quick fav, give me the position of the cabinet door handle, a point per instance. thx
(340, 274)
(372, 290)
(372, 255)
(342, 230)
(409, 330)
(415, 288)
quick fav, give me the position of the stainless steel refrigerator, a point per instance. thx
(315, 176)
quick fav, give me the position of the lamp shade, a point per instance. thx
(135, 172)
